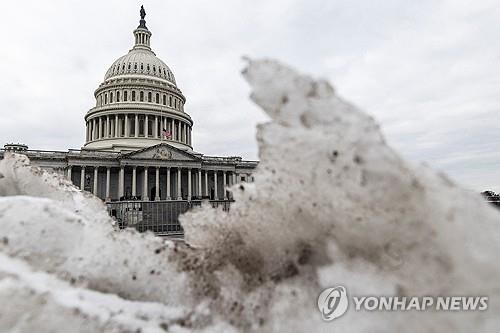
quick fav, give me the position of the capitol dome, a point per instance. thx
(138, 104)
(142, 62)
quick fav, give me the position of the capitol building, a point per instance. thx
(138, 138)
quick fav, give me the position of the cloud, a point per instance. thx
(426, 69)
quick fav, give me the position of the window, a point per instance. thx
(149, 97)
(154, 69)
(125, 96)
(117, 96)
(133, 96)
(129, 65)
(148, 67)
(141, 96)
(141, 126)
(142, 66)
(170, 101)
(111, 97)
(157, 98)
(164, 100)
(123, 67)
(175, 103)
(135, 66)
(105, 98)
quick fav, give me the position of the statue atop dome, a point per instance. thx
(143, 13)
(142, 22)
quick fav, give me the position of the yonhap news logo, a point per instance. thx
(333, 303)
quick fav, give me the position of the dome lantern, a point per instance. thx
(142, 34)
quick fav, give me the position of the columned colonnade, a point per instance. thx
(135, 125)
(154, 182)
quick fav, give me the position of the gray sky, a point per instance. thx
(427, 70)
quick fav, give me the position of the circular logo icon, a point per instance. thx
(332, 302)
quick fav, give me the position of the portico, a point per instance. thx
(161, 172)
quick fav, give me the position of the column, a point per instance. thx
(189, 184)
(87, 131)
(145, 185)
(173, 129)
(107, 126)
(179, 184)
(116, 126)
(206, 183)
(199, 183)
(146, 126)
(224, 196)
(96, 173)
(100, 128)
(168, 184)
(157, 184)
(136, 125)
(126, 126)
(82, 179)
(179, 130)
(216, 197)
(69, 172)
(156, 128)
(108, 179)
(134, 181)
(121, 182)
(234, 178)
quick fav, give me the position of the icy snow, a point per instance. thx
(332, 204)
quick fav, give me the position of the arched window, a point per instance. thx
(129, 65)
(125, 96)
(175, 103)
(123, 67)
(111, 97)
(133, 96)
(154, 69)
(105, 98)
(149, 97)
(141, 96)
(117, 96)
(142, 66)
(135, 66)
(157, 98)
(170, 101)
(164, 99)
(147, 68)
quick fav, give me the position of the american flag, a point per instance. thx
(166, 134)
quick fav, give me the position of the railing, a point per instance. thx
(160, 217)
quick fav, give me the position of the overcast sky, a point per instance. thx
(427, 70)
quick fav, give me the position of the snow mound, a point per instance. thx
(332, 204)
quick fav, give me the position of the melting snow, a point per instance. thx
(332, 204)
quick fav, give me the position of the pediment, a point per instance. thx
(162, 151)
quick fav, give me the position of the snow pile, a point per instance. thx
(332, 204)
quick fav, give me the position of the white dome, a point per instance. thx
(143, 62)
